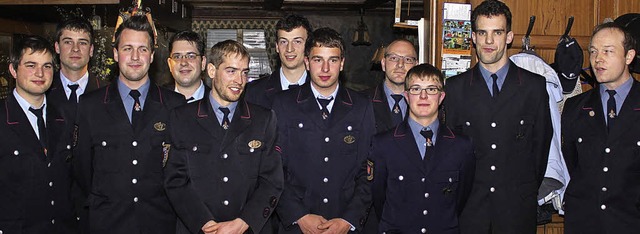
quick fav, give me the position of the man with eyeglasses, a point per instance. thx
(422, 172)
(505, 110)
(186, 62)
(389, 105)
(292, 32)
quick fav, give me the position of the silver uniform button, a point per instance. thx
(326, 139)
(48, 165)
(225, 156)
(194, 149)
(68, 146)
(603, 207)
(400, 177)
(225, 179)
(134, 181)
(225, 202)
(494, 146)
(51, 184)
(579, 139)
(492, 189)
(422, 180)
(134, 143)
(325, 180)
(493, 125)
(423, 230)
(425, 212)
(53, 221)
(325, 201)
(522, 122)
(426, 195)
(638, 143)
(135, 199)
(134, 162)
(326, 159)
(300, 125)
(104, 143)
(53, 202)
(467, 123)
(607, 150)
(493, 168)
(16, 152)
(251, 150)
(605, 169)
(349, 128)
(604, 189)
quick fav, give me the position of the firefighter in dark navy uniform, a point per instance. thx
(121, 132)
(325, 132)
(34, 147)
(223, 173)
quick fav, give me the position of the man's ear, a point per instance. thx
(211, 70)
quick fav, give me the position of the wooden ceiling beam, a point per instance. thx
(272, 5)
(57, 2)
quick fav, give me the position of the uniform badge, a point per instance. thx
(75, 135)
(160, 126)
(591, 113)
(349, 139)
(369, 170)
(254, 144)
(165, 154)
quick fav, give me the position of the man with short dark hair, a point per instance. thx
(292, 32)
(325, 132)
(186, 62)
(74, 45)
(121, 136)
(505, 110)
(224, 174)
(601, 141)
(34, 147)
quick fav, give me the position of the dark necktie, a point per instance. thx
(396, 112)
(324, 103)
(293, 86)
(496, 91)
(427, 134)
(225, 118)
(136, 110)
(42, 131)
(73, 97)
(190, 99)
(611, 109)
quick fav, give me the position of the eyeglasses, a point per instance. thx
(187, 56)
(417, 90)
(396, 58)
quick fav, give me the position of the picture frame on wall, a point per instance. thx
(6, 80)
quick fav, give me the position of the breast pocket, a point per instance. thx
(198, 158)
(105, 154)
(446, 182)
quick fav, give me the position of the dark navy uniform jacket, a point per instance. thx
(324, 164)
(381, 109)
(511, 136)
(604, 193)
(34, 186)
(420, 196)
(263, 91)
(219, 175)
(119, 168)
